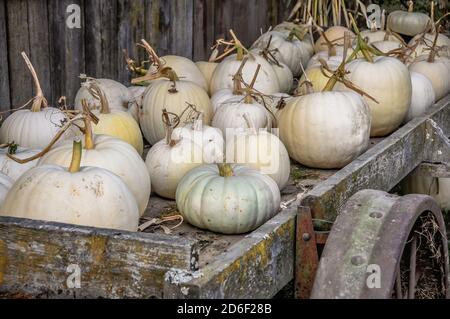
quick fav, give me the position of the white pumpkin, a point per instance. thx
(378, 35)
(422, 96)
(230, 115)
(6, 183)
(207, 68)
(219, 98)
(408, 22)
(115, 123)
(287, 49)
(108, 153)
(169, 160)
(88, 196)
(33, 129)
(325, 55)
(260, 150)
(317, 77)
(172, 94)
(436, 70)
(136, 97)
(325, 129)
(284, 76)
(229, 201)
(420, 183)
(209, 138)
(275, 101)
(334, 34)
(116, 93)
(422, 42)
(13, 169)
(185, 69)
(388, 81)
(267, 81)
(387, 45)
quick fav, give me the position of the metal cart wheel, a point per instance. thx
(385, 246)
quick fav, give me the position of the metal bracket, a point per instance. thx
(307, 256)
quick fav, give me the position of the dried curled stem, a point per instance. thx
(159, 71)
(170, 125)
(229, 46)
(39, 101)
(339, 76)
(269, 54)
(98, 94)
(79, 116)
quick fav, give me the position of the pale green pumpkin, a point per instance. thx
(231, 200)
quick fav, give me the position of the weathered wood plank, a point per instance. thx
(169, 26)
(203, 30)
(35, 256)
(5, 101)
(284, 8)
(93, 38)
(39, 44)
(110, 52)
(258, 266)
(66, 50)
(181, 28)
(157, 25)
(131, 29)
(21, 86)
(222, 21)
(383, 166)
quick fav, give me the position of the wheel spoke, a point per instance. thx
(412, 268)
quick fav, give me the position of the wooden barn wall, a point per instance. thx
(60, 54)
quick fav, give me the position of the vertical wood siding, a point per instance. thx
(59, 54)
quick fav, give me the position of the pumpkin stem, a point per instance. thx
(158, 63)
(76, 157)
(340, 73)
(39, 101)
(98, 94)
(308, 87)
(410, 6)
(433, 48)
(169, 126)
(225, 169)
(88, 134)
(237, 78)
(433, 27)
(248, 96)
(331, 47)
(383, 20)
(298, 33)
(267, 54)
(239, 47)
(214, 54)
(362, 46)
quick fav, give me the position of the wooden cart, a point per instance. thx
(39, 259)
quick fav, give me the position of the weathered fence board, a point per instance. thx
(66, 50)
(60, 53)
(39, 43)
(4, 70)
(18, 40)
(131, 29)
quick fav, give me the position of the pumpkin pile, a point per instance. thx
(223, 132)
